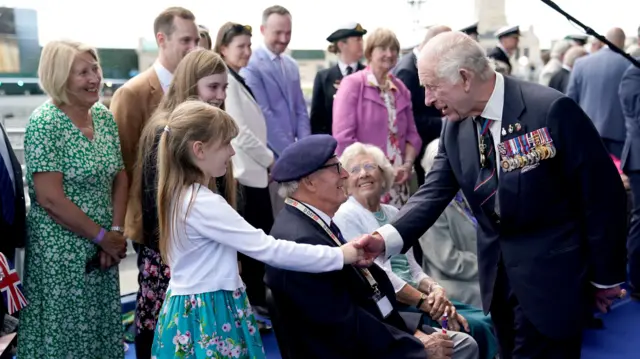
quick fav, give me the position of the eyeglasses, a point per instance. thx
(368, 168)
(337, 164)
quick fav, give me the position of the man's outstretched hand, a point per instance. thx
(372, 245)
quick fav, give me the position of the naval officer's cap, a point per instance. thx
(579, 38)
(508, 31)
(304, 157)
(346, 31)
(471, 29)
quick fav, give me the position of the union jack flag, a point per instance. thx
(11, 287)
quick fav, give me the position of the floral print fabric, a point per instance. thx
(215, 325)
(72, 313)
(398, 195)
(153, 279)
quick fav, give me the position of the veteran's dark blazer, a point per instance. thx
(14, 234)
(330, 315)
(560, 80)
(563, 223)
(324, 89)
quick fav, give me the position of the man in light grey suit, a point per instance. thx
(594, 84)
(274, 79)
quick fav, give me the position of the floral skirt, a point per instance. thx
(153, 280)
(210, 325)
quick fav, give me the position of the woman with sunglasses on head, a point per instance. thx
(253, 158)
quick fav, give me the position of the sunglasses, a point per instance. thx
(237, 29)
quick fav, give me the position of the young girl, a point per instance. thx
(206, 313)
(203, 75)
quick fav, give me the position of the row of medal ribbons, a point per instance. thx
(525, 150)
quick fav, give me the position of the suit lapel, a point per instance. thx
(509, 184)
(319, 230)
(275, 72)
(155, 90)
(513, 108)
(469, 151)
(334, 77)
(361, 67)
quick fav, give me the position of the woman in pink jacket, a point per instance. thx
(371, 106)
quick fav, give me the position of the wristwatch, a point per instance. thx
(117, 229)
(423, 297)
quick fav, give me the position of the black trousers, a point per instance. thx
(633, 239)
(517, 337)
(256, 210)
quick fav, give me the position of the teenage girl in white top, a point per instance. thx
(206, 313)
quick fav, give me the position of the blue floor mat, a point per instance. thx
(620, 337)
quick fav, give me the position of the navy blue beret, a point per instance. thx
(304, 157)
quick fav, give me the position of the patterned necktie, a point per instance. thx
(487, 183)
(337, 232)
(7, 197)
(349, 70)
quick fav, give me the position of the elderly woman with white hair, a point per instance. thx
(371, 175)
(78, 191)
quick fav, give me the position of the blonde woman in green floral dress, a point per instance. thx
(78, 192)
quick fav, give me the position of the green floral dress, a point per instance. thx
(72, 313)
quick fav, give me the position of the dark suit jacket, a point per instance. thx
(630, 97)
(428, 119)
(13, 235)
(324, 89)
(560, 80)
(497, 54)
(330, 315)
(563, 223)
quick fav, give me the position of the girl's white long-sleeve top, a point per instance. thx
(207, 235)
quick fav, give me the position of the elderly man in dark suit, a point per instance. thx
(428, 118)
(549, 202)
(630, 98)
(560, 79)
(12, 203)
(350, 313)
(594, 84)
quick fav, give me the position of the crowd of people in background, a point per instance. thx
(400, 217)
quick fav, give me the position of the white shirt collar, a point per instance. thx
(343, 67)
(272, 56)
(566, 67)
(325, 217)
(495, 105)
(416, 52)
(164, 75)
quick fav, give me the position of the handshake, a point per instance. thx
(363, 250)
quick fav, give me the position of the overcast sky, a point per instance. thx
(120, 23)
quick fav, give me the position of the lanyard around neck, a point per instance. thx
(311, 214)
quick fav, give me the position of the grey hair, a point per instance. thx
(454, 51)
(287, 189)
(573, 54)
(560, 48)
(379, 157)
(430, 155)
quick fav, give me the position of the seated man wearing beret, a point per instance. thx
(350, 313)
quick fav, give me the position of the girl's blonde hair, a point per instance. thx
(195, 66)
(191, 121)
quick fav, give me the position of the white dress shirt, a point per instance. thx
(164, 75)
(343, 67)
(208, 234)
